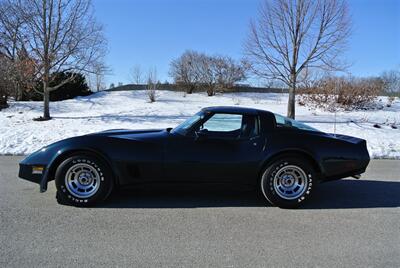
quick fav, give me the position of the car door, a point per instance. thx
(226, 148)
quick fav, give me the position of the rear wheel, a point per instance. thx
(288, 182)
(83, 180)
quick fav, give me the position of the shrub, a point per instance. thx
(72, 89)
(151, 92)
(152, 85)
(390, 101)
(338, 92)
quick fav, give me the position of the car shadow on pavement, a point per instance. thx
(352, 193)
(332, 195)
(183, 196)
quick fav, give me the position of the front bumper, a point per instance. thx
(34, 168)
(26, 172)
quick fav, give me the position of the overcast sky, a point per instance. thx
(153, 32)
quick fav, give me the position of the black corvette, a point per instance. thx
(283, 158)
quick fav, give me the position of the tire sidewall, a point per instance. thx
(106, 182)
(267, 182)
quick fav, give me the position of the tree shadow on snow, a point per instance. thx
(332, 195)
(108, 118)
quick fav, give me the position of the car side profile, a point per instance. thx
(282, 157)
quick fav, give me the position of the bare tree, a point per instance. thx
(207, 74)
(292, 35)
(99, 72)
(10, 29)
(136, 75)
(185, 70)
(5, 80)
(12, 46)
(228, 72)
(61, 36)
(219, 73)
(193, 70)
(391, 81)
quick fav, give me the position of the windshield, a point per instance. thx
(282, 121)
(188, 123)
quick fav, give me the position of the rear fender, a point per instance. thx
(292, 152)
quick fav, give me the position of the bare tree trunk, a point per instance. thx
(3, 102)
(292, 98)
(15, 91)
(291, 102)
(19, 92)
(46, 100)
(210, 90)
(98, 82)
(190, 89)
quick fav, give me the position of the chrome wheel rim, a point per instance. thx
(290, 182)
(82, 180)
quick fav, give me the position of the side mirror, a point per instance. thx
(201, 134)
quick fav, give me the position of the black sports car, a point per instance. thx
(282, 157)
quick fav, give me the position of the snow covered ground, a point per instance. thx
(19, 134)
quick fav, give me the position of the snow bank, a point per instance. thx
(19, 134)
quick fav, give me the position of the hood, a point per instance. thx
(128, 134)
(125, 132)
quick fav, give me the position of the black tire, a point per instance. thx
(73, 174)
(288, 182)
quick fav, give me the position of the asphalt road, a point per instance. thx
(346, 223)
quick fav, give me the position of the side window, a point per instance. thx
(282, 121)
(224, 123)
(232, 125)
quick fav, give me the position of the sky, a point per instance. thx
(151, 33)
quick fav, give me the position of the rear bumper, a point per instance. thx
(349, 157)
(342, 168)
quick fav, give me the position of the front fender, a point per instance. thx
(51, 156)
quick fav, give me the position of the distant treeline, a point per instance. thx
(173, 87)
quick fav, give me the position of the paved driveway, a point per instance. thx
(347, 223)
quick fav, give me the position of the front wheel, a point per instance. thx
(288, 182)
(83, 180)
